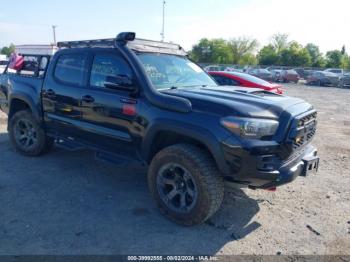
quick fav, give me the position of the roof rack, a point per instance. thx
(110, 42)
(143, 45)
(127, 38)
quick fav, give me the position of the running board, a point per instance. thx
(68, 144)
(117, 159)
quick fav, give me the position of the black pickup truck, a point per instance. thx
(137, 101)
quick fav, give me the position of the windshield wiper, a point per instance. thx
(196, 86)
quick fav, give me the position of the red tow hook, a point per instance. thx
(271, 189)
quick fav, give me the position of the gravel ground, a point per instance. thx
(67, 203)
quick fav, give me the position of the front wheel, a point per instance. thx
(27, 136)
(186, 184)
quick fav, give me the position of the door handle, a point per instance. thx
(50, 93)
(128, 101)
(88, 99)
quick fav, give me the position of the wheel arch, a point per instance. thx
(168, 133)
(21, 101)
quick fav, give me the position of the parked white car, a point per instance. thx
(36, 49)
(3, 63)
(337, 71)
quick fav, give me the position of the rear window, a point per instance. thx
(253, 79)
(263, 71)
(71, 69)
(329, 74)
(30, 66)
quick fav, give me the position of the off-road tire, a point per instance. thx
(210, 185)
(43, 143)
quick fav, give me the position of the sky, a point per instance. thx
(325, 23)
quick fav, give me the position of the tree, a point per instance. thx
(221, 52)
(201, 52)
(8, 50)
(345, 62)
(243, 49)
(268, 55)
(236, 51)
(211, 51)
(248, 59)
(348, 63)
(295, 55)
(334, 58)
(317, 59)
(279, 42)
(343, 50)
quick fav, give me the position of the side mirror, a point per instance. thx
(120, 82)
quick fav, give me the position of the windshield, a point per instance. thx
(170, 71)
(264, 71)
(328, 74)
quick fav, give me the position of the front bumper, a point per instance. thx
(267, 171)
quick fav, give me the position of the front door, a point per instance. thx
(108, 114)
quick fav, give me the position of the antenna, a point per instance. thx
(54, 34)
(162, 33)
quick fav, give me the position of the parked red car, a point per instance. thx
(245, 80)
(287, 76)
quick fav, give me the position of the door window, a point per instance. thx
(226, 81)
(108, 66)
(71, 69)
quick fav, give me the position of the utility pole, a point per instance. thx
(162, 33)
(54, 34)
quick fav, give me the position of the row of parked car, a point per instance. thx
(329, 77)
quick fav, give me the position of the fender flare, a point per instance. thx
(28, 100)
(194, 132)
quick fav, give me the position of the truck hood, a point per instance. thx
(239, 101)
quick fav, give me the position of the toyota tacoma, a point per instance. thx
(136, 101)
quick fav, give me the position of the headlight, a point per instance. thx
(253, 128)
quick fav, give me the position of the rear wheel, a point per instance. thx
(186, 184)
(27, 136)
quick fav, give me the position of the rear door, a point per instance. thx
(62, 93)
(109, 114)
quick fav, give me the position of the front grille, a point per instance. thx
(304, 130)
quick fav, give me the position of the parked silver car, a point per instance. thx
(344, 81)
(261, 73)
(323, 78)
